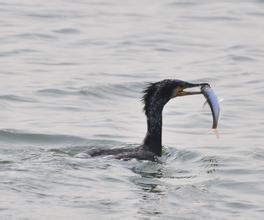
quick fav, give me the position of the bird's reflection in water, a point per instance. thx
(151, 197)
(152, 190)
(156, 181)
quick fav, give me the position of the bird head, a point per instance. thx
(159, 93)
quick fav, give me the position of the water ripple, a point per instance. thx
(76, 69)
(17, 52)
(16, 98)
(18, 137)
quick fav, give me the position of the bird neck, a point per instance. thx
(153, 139)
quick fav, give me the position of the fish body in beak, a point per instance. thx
(207, 91)
(213, 102)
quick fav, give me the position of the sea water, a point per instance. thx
(72, 73)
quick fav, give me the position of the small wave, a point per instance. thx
(178, 165)
(16, 98)
(21, 138)
(53, 92)
(172, 154)
(6, 162)
(16, 52)
(35, 36)
(67, 31)
(182, 3)
(240, 58)
(52, 63)
(54, 15)
(103, 91)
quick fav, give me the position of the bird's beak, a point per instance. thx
(182, 91)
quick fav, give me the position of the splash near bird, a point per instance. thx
(155, 97)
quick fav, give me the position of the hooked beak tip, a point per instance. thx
(191, 85)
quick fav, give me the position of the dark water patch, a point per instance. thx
(67, 31)
(257, 154)
(181, 3)
(125, 43)
(16, 98)
(162, 49)
(6, 162)
(135, 15)
(96, 3)
(125, 89)
(149, 170)
(258, 14)
(89, 42)
(70, 109)
(52, 63)
(256, 52)
(32, 36)
(54, 92)
(18, 137)
(211, 18)
(239, 172)
(147, 184)
(236, 47)
(54, 14)
(240, 205)
(240, 58)
(17, 52)
(133, 76)
(7, 72)
(253, 81)
(109, 136)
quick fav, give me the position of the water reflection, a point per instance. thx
(151, 194)
(210, 164)
(183, 176)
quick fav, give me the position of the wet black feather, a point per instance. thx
(160, 91)
(148, 93)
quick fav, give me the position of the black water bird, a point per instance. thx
(155, 97)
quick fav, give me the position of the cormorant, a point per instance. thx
(156, 95)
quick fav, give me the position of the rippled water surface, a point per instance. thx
(72, 73)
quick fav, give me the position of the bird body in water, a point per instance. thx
(155, 97)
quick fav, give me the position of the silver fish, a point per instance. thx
(213, 102)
